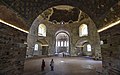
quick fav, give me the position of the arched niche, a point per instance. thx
(37, 49)
(87, 49)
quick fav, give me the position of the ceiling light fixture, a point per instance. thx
(109, 26)
(13, 26)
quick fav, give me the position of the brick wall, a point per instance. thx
(12, 50)
(111, 51)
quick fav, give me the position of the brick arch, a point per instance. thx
(96, 9)
(86, 6)
(47, 6)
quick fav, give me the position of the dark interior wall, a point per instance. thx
(111, 50)
(44, 50)
(12, 50)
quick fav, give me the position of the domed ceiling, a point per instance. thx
(63, 13)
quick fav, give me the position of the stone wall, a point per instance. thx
(71, 29)
(111, 50)
(12, 50)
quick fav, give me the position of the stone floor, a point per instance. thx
(63, 66)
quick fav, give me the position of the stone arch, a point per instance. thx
(76, 3)
(93, 40)
(62, 31)
(33, 34)
(70, 3)
(85, 49)
(81, 45)
(67, 33)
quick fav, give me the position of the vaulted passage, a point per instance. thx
(66, 37)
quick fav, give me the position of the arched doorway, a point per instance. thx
(87, 49)
(62, 44)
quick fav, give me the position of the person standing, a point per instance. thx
(43, 65)
(52, 65)
(63, 54)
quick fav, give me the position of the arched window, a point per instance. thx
(83, 30)
(61, 43)
(36, 47)
(42, 30)
(89, 48)
(65, 44)
(101, 42)
(58, 43)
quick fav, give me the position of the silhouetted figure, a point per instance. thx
(52, 65)
(63, 54)
(43, 65)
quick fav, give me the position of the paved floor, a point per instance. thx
(63, 66)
